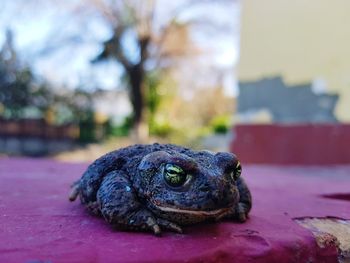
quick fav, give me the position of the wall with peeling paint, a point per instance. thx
(284, 104)
(303, 42)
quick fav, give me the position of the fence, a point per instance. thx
(35, 137)
(37, 128)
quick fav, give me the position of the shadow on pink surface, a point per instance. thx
(39, 224)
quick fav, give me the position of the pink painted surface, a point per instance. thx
(38, 224)
(304, 144)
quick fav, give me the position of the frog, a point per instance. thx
(163, 187)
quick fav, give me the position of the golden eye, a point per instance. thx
(174, 175)
(236, 173)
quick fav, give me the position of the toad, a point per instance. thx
(163, 187)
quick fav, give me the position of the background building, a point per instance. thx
(296, 53)
(294, 82)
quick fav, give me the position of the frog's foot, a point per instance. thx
(144, 220)
(119, 205)
(238, 213)
(169, 225)
(141, 220)
(153, 226)
(241, 213)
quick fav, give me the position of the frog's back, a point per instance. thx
(133, 155)
(125, 160)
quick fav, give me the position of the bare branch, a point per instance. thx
(108, 12)
(112, 48)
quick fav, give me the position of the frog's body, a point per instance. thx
(149, 187)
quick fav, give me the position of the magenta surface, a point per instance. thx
(38, 224)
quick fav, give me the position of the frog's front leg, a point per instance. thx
(121, 208)
(245, 200)
(240, 211)
(87, 186)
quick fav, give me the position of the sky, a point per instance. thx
(59, 40)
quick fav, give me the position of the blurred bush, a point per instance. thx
(120, 130)
(221, 124)
(182, 120)
(161, 128)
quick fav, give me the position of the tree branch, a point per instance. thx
(113, 48)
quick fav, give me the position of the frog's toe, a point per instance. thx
(152, 224)
(242, 217)
(169, 225)
(238, 214)
(74, 192)
(156, 230)
(241, 213)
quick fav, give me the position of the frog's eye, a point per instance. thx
(236, 173)
(174, 175)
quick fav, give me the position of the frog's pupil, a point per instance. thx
(173, 169)
(172, 172)
(174, 175)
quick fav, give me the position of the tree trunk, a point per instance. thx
(140, 127)
(136, 77)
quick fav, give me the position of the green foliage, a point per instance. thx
(87, 127)
(221, 124)
(73, 107)
(121, 130)
(20, 92)
(157, 126)
(15, 89)
(161, 128)
(153, 99)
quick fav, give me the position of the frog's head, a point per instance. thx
(202, 185)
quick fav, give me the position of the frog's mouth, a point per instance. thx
(215, 212)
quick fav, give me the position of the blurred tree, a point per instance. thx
(20, 92)
(15, 81)
(134, 24)
(146, 37)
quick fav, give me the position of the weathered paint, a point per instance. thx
(286, 104)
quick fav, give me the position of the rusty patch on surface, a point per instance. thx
(330, 232)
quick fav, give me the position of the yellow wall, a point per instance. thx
(300, 40)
